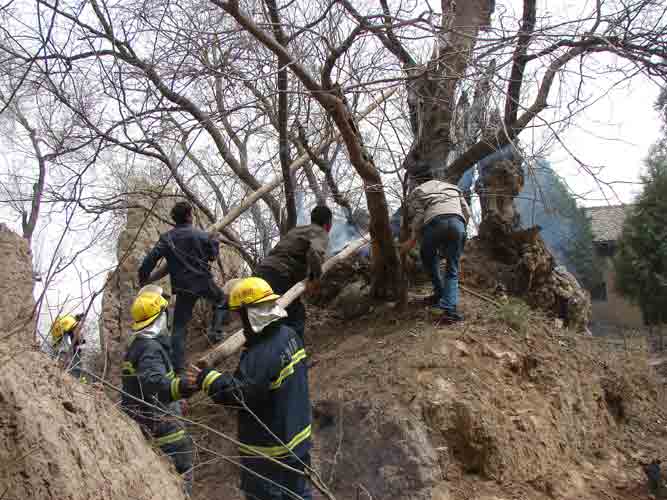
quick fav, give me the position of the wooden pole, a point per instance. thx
(234, 343)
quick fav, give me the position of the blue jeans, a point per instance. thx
(444, 236)
(281, 485)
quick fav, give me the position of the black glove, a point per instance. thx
(186, 390)
(202, 375)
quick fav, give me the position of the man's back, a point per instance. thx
(188, 251)
(300, 251)
(435, 197)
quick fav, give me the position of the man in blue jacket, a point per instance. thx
(270, 388)
(188, 252)
(151, 389)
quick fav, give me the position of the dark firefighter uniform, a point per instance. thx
(188, 252)
(270, 389)
(150, 396)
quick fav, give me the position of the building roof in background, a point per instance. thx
(607, 221)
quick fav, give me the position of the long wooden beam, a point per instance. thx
(234, 343)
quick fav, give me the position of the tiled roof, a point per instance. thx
(607, 221)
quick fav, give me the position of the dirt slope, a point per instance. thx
(505, 406)
(62, 440)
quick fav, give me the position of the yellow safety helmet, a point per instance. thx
(62, 325)
(147, 307)
(250, 291)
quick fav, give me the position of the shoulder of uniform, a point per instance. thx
(287, 331)
(142, 344)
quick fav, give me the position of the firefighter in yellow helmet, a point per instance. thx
(151, 390)
(270, 388)
(66, 342)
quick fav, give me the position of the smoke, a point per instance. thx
(302, 217)
(347, 229)
(544, 201)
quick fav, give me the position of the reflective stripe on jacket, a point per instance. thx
(148, 376)
(272, 382)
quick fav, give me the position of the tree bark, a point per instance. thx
(431, 96)
(283, 109)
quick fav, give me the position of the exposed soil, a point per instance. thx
(409, 409)
(62, 440)
(504, 406)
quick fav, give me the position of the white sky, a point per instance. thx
(616, 134)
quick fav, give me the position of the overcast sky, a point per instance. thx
(616, 134)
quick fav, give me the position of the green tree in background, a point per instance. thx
(641, 260)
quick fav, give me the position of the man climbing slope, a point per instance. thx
(270, 388)
(299, 255)
(151, 389)
(439, 215)
(188, 252)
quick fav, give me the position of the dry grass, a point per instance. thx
(515, 314)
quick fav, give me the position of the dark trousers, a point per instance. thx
(296, 311)
(266, 480)
(180, 454)
(185, 303)
(444, 236)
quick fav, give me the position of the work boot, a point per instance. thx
(446, 315)
(431, 300)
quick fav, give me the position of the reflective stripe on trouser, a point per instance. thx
(180, 453)
(277, 451)
(172, 437)
(265, 480)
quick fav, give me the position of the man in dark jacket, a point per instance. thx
(299, 255)
(151, 390)
(188, 252)
(270, 388)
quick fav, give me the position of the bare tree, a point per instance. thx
(188, 88)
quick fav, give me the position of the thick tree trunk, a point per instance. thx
(432, 96)
(385, 281)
